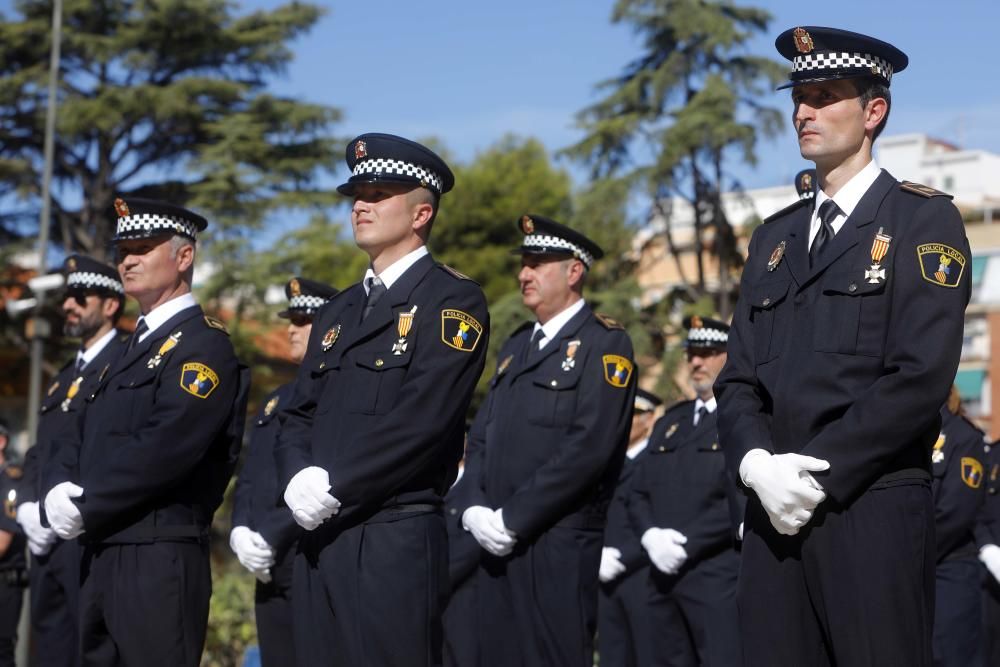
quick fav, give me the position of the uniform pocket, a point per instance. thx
(850, 315)
(553, 401)
(374, 383)
(765, 300)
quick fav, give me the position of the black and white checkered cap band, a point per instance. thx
(542, 241)
(808, 194)
(811, 62)
(704, 335)
(89, 280)
(305, 301)
(154, 222)
(643, 404)
(399, 168)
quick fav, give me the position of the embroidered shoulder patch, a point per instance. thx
(14, 472)
(617, 370)
(972, 472)
(922, 190)
(608, 323)
(216, 324)
(460, 330)
(941, 264)
(198, 379)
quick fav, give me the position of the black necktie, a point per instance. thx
(828, 210)
(376, 288)
(80, 363)
(532, 347)
(700, 415)
(140, 328)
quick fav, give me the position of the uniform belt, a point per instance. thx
(397, 512)
(154, 533)
(904, 475)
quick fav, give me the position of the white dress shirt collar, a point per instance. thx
(636, 449)
(88, 355)
(551, 328)
(159, 315)
(710, 405)
(847, 198)
(392, 272)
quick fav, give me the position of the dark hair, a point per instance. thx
(121, 308)
(870, 88)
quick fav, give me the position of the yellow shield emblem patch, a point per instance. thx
(617, 370)
(972, 472)
(941, 264)
(198, 380)
(460, 330)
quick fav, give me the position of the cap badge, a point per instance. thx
(806, 182)
(121, 208)
(403, 326)
(71, 264)
(330, 337)
(570, 361)
(696, 322)
(528, 225)
(294, 287)
(360, 150)
(803, 42)
(776, 256)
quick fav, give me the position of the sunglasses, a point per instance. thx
(80, 294)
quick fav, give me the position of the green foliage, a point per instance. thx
(231, 624)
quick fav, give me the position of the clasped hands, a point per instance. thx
(308, 496)
(785, 487)
(253, 552)
(63, 514)
(487, 527)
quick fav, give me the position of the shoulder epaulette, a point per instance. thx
(523, 326)
(608, 322)
(457, 274)
(922, 190)
(14, 472)
(678, 405)
(788, 209)
(216, 324)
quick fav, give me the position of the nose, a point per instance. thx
(803, 112)
(68, 303)
(524, 275)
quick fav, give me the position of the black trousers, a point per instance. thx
(144, 604)
(11, 596)
(855, 587)
(958, 613)
(538, 606)
(991, 619)
(461, 632)
(695, 615)
(55, 602)
(372, 595)
(273, 609)
(624, 636)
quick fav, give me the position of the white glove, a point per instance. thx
(664, 548)
(40, 538)
(611, 564)
(487, 527)
(64, 515)
(990, 555)
(253, 551)
(263, 576)
(308, 498)
(784, 486)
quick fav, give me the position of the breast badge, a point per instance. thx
(330, 337)
(617, 370)
(880, 246)
(972, 472)
(198, 379)
(271, 405)
(403, 326)
(941, 264)
(73, 390)
(169, 344)
(937, 456)
(502, 366)
(776, 256)
(460, 330)
(570, 361)
(670, 431)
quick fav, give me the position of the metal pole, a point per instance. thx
(36, 330)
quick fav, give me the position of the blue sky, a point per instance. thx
(468, 72)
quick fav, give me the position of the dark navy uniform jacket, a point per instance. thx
(837, 363)
(62, 408)
(255, 501)
(619, 532)
(384, 413)
(987, 530)
(684, 484)
(11, 482)
(959, 467)
(161, 436)
(556, 426)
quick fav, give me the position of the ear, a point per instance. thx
(109, 306)
(875, 112)
(185, 257)
(575, 273)
(422, 214)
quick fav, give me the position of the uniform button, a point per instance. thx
(453, 511)
(853, 287)
(554, 383)
(322, 365)
(766, 301)
(993, 492)
(662, 448)
(715, 446)
(378, 363)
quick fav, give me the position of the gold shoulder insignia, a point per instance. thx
(609, 323)
(922, 190)
(457, 274)
(15, 472)
(216, 324)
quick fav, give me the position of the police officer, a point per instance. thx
(94, 301)
(686, 510)
(959, 488)
(373, 431)
(623, 628)
(461, 629)
(988, 539)
(805, 184)
(845, 341)
(547, 454)
(264, 534)
(160, 441)
(13, 576)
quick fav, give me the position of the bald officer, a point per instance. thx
(160, 441)
(547, 452)
(373, 432)
(844, 344)
(264, 534)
